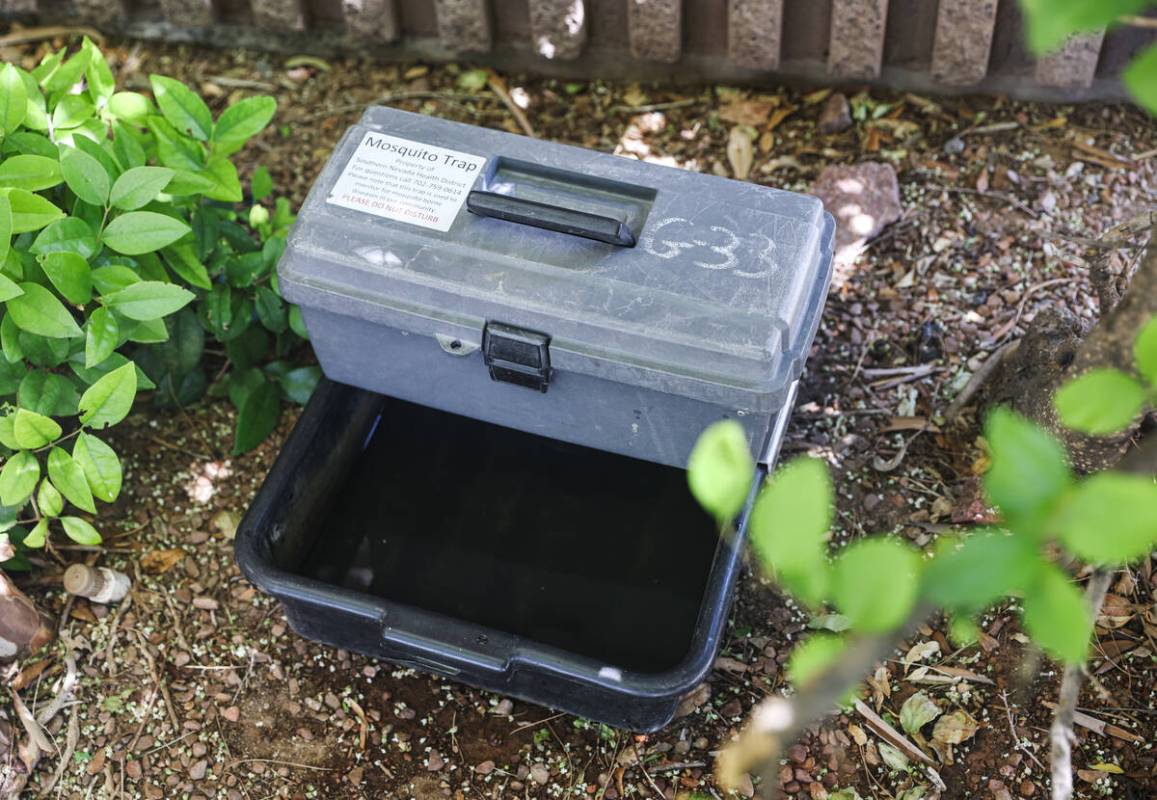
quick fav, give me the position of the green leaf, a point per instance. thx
(299, 384)
(969, 576)
(47, 393)
(813, 657)
(789, 528)
(34, 173)
(101, 466)
(70, 274)
(917, 711)
(1100, 402)
(101, 154)
(1050, 22)
(1029, 473)
(226, 185)
(1145, 352)
(18, 478)
(1057, 617)
(68, 235)
(260, 185)
(31, 212)
(131, 107)
(139, 186)
(102, 334)
(35, 144)
(48, 499)
(176, 151)
(32, 430)
(80, 531)
(182, 259)
(297, 323)
(13, 99)
(1140, 78)
(139, 232)
(72, 111)
(720, 469)
(148, 300)
(36, 538)
(1111, 519)
(128, 150)
(875, 582)
(10, 342)
(182, 108)
(69, 477)
(271, 310)
(38, 311)
(473, 80)
(66, 75)
(7, 437)
(110, 399)
(86, 176)
(5, 229)
(8, 288)
(98, 75)
(241, 121)
(257, 417)
(113, 278)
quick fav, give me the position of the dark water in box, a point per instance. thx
(599, 554)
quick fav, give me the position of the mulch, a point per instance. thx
(195, 687)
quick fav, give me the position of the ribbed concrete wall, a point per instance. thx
(950, 45)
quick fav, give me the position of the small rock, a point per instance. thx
(504, 708)
(731, 709)
(434, 761)
(797, 753)
(355, 775)
(864, 198)
(485, 768)
(1027, 788)
(232, 713)
(744, 786)
(198, 770)
(539, 774)
(836, 115)
(954, 146)
(133, 770)
(999, 790)
(694, 700)
(792, 788)
(817, 791)
(205, 603)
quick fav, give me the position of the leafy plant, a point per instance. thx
(879, 583)
(1051, 22)
(121, 248)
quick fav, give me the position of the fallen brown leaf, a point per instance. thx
(158, 562)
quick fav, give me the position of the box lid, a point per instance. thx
(645, 274)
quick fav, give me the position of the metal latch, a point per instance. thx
(516, 355)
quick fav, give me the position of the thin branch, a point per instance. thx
(779, 721)
(1061, 731)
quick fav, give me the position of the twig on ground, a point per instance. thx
(691, 101)
(29, 35)
(498, 86)
(241, 83)
(1061, 731)
(893, 736)
(1016, 739)
(643, 769)
(778, 721)
(978, 379)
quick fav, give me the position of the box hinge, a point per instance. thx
(516, 355)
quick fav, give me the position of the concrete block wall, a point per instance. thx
(922, 45)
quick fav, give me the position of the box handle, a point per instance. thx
(551, 218)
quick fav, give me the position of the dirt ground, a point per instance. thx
(196, 688)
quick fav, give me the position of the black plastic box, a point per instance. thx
(567, 576)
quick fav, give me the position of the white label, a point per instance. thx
(406, 181)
